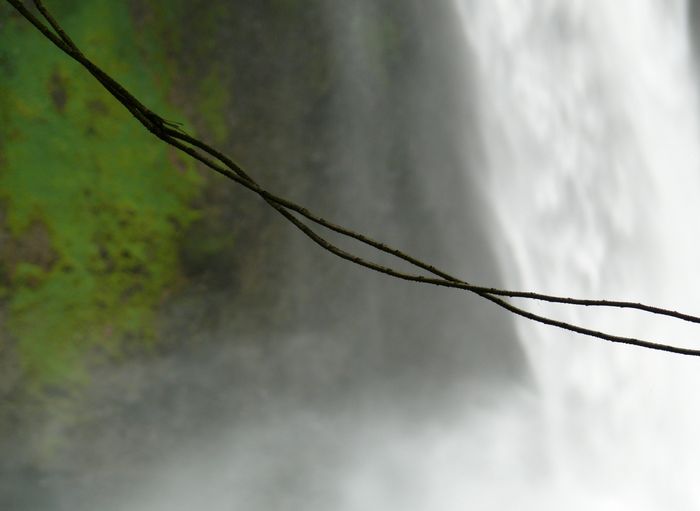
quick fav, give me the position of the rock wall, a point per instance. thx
(144, 300)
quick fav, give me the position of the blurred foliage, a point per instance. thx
(113, 248)
(92, 208)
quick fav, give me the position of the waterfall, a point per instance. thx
(586, 124)
(590, 115)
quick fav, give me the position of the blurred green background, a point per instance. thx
(103, 227)
(146, 302)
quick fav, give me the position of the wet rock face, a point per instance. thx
(349, 109)
(357, 111)
(694, 28)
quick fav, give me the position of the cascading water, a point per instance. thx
(590, 116)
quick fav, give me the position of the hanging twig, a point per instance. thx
(172, 134)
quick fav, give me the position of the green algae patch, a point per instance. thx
(110, 200)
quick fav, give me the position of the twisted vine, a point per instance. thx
(172, 134)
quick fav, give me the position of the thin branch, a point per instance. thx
(172, 134)
(54, 24)
(418, 263)
(330, 247)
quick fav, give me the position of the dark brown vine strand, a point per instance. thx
(172, 134)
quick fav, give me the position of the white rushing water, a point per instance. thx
(590, 115)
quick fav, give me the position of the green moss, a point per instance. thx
(214, 99)
(203, 78)
(112, 198)
(28, 275)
